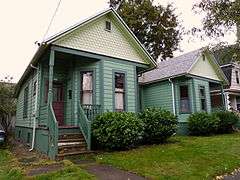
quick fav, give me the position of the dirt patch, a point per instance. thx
(105, 172)
(45, 169)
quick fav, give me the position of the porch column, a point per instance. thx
(50, 80)
(223, 98)
(227, 100)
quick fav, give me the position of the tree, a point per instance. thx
(7, 103)
(220, 16)
(156, 27)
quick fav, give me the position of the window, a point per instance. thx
(86, 87)
(108, 26)
(25, 102)
(119, 92)
(202, 98)
(28, 137)
(184, 99)
(19, 134)
(34, 88)
(237, 77)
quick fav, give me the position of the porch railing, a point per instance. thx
(91, 110)
(53, 133)
(85, 125)
(86, 114)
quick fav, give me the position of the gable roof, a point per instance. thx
(57, 36)
(177, 66)
(43, 46)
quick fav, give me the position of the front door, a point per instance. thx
(58, 102)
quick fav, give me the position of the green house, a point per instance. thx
(183, 85)
(90, 68)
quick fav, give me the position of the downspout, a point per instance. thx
(173, 96)
(35, 110)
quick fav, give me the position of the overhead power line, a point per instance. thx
(50, 24)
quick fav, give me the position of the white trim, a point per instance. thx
(173, 96)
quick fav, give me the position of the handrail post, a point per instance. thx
(89, 136)
(52, 123)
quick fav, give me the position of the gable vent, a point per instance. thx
(108, 26)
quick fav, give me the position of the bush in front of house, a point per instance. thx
(202, 123)
(227, 121)
(117, 130)
(160, 124)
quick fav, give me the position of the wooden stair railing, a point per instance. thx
(53, 133)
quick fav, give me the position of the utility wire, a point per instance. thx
(50, 24)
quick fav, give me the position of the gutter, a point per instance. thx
(35, 110)
(173, 96)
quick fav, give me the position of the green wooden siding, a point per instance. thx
(205, 84)
(109, 68)
(81, 65)
(182, 117)
(26, 121)
(157, 95)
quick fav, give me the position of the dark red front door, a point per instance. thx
(58, 102)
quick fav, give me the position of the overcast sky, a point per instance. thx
(24, 22)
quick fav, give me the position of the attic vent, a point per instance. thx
(108, 26)
(203, 57)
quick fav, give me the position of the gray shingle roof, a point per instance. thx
(172, 67)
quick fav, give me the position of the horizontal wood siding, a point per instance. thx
(182, 117)
(205, 84)
(28, 120)
(84, 64)
(157, 95)
(109, 67)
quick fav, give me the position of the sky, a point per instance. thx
(25, 22)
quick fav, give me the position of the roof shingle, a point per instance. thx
(172, 67)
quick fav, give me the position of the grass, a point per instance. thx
(70, 173)
(11, 169)
(182, 158)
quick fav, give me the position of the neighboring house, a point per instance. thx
(231, 91)
(182, 85)
(87, 69)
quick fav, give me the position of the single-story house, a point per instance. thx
(89, 68)
(95, 66)
(183, 84)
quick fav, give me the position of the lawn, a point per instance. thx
(181, 158)
(11, 168)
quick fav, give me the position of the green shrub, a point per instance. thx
(227, 121)
(160, 124)
(117, 130)
(202, 123)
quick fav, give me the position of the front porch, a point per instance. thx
(70, 93)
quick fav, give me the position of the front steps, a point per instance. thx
(71, 143)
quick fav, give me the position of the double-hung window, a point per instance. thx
(237, 77)
(202, 96)
(119, 92)
(25, 102)
(184, 99)
(87, 87)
